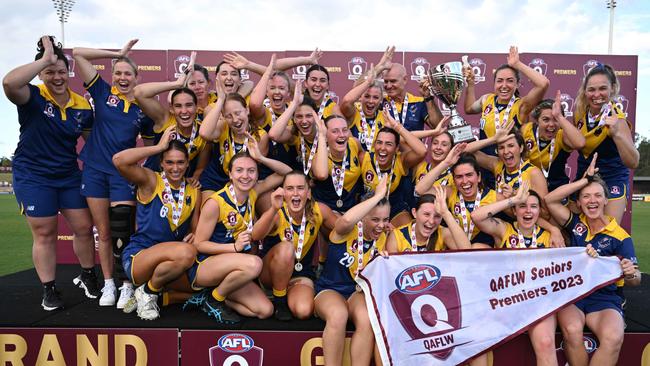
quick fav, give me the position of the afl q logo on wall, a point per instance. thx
(419, 68)
(567, 104)
(589, 65)
(538, 65)
(180, 64)
(621, 103)
(478, 67)
(428, 308)
(356, 67)
(236, 349)
(299, 72)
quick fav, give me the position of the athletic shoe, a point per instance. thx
(282, 311)
(219, 311)
(88, 283)
(147, 304)
(131, 305)
(126, 292)
(108, 295)
(51, 299)
(196, 300)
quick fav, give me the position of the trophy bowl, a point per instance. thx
(446, 82)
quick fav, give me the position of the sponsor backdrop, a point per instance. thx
(564, 71)
(137, 347)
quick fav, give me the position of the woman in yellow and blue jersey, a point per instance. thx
(223, 240)
(289, 229)
(46, 176)
(602, 310)
(524, 233)
(386, 159)
(160, 251)
(317, 85)
(607, 133)
(424, 233)
(504, 105)
(118, 123)
(357, 236)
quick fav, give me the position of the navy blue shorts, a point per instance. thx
(43, 197)
(98, 184)
(599, 301)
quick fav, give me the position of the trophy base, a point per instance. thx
(462, 134)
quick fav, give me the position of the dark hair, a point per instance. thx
(542, 106)
(599, 69)
(334, 116)
(216, 72)
(446, 133)
(515, 71)
(535, 194)
(184, 90)
(382, 202)
(317, 67)
(58, 51)
(203, 71)
(307, 101)
(175, 145)
(428, 198)
(466, 158)
(597, 180)
(241, 154)
(391, 131)
(520, 141)
(309, 206)
(283, 75)
(253, 126)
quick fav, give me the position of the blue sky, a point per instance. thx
(535, 26)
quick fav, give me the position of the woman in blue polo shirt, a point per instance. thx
(45, 170)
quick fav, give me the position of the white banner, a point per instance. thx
(444, 308)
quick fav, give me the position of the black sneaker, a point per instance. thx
(88, 283)
(282, 311)
(196, 300)
(219, 311)
(51, 299)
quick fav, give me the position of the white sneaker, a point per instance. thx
(109, 293)
(147, 304)
(126, 292)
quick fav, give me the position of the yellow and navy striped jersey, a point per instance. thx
(324, 190)
(403, 236)
(511, 238)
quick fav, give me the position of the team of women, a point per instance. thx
(247, 188)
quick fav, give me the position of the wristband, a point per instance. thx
(234, 245)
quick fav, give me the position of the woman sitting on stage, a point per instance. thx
(223, 240)
(356, 237)
(289, 229)
(602, 310)
(524, 233)
(159, 252)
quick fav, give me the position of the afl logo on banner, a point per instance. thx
(419, 68)
(180, 64)
(588, 66)
(235, 349)
(356, 67)
(567, 104)
(418, 278)
(621, 103)
(538, 65)
(478, 67)
(299, 72)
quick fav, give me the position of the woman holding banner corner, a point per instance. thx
(602, 310)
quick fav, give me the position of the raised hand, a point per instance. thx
(506, 190)
(591, 251)
(277, 198)
(386, 61)
(220, 89)
(236, 60)
(315, 56)
(298, 95)
(591, 170)
(320, 124)
(167, 137)
(556, 109)
(455, 153)
(48, 50)
(127, 47)
(442, 126)
(424, 87)
(189, 238)
(253, 148)
(382, 187)
(389, 121)
(522, 192)
(513, 56)
(468, 74)
(243, 241)
(440, 204)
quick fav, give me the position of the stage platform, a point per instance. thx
(83, 326)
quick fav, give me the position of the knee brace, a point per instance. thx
(122, 222)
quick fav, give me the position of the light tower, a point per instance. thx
(63, 9)
(611, 5)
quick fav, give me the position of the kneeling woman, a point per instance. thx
(424, 233)
(159, 252)
(357, 235)
(223, 239)
(289, 229)
(524, 233)
(602, 310)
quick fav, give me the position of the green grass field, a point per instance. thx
(15, 251)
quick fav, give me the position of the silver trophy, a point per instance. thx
(446, 82)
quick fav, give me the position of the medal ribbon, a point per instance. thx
(367, 137)
(249, 223)
(550, 154)
(312, 153)
(360, 248)
(522, 241)
(321, 108)
(380, 175)
(395, 113)
(506, 114)
(339, 178)
(301, 235)
(468, 224)
(168, 198)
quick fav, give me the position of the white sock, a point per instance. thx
(109, 282)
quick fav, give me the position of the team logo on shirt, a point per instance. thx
(478, 67)
(615, 190)
(356, 67)
(288, 234)
(529, 144)
(538, 65)
(419, 68)
(621, 103)
(590, 64)
(71, 63)
(428, 307)
(370, 176)
(487, 110)
(580, 229)
(457, 208)
(49, 110)
(180, 65)
(112, 100)
(226, 146)
(513, 241)
(232, 218)
(567, 104)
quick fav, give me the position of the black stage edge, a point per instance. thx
(21, 307)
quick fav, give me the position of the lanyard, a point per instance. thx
(395, 113)
(522, 242)
(312, 153)
(414, 241)
(360, 248)
(168, 198)
(380, 175)
(550, 154)
(468, 224)
(367, 137)
(301, 235)
(192, 137)
(321, 108)
(506, 114)
(503, 175)
(249, 223)
(338, 174)
(604, 113)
